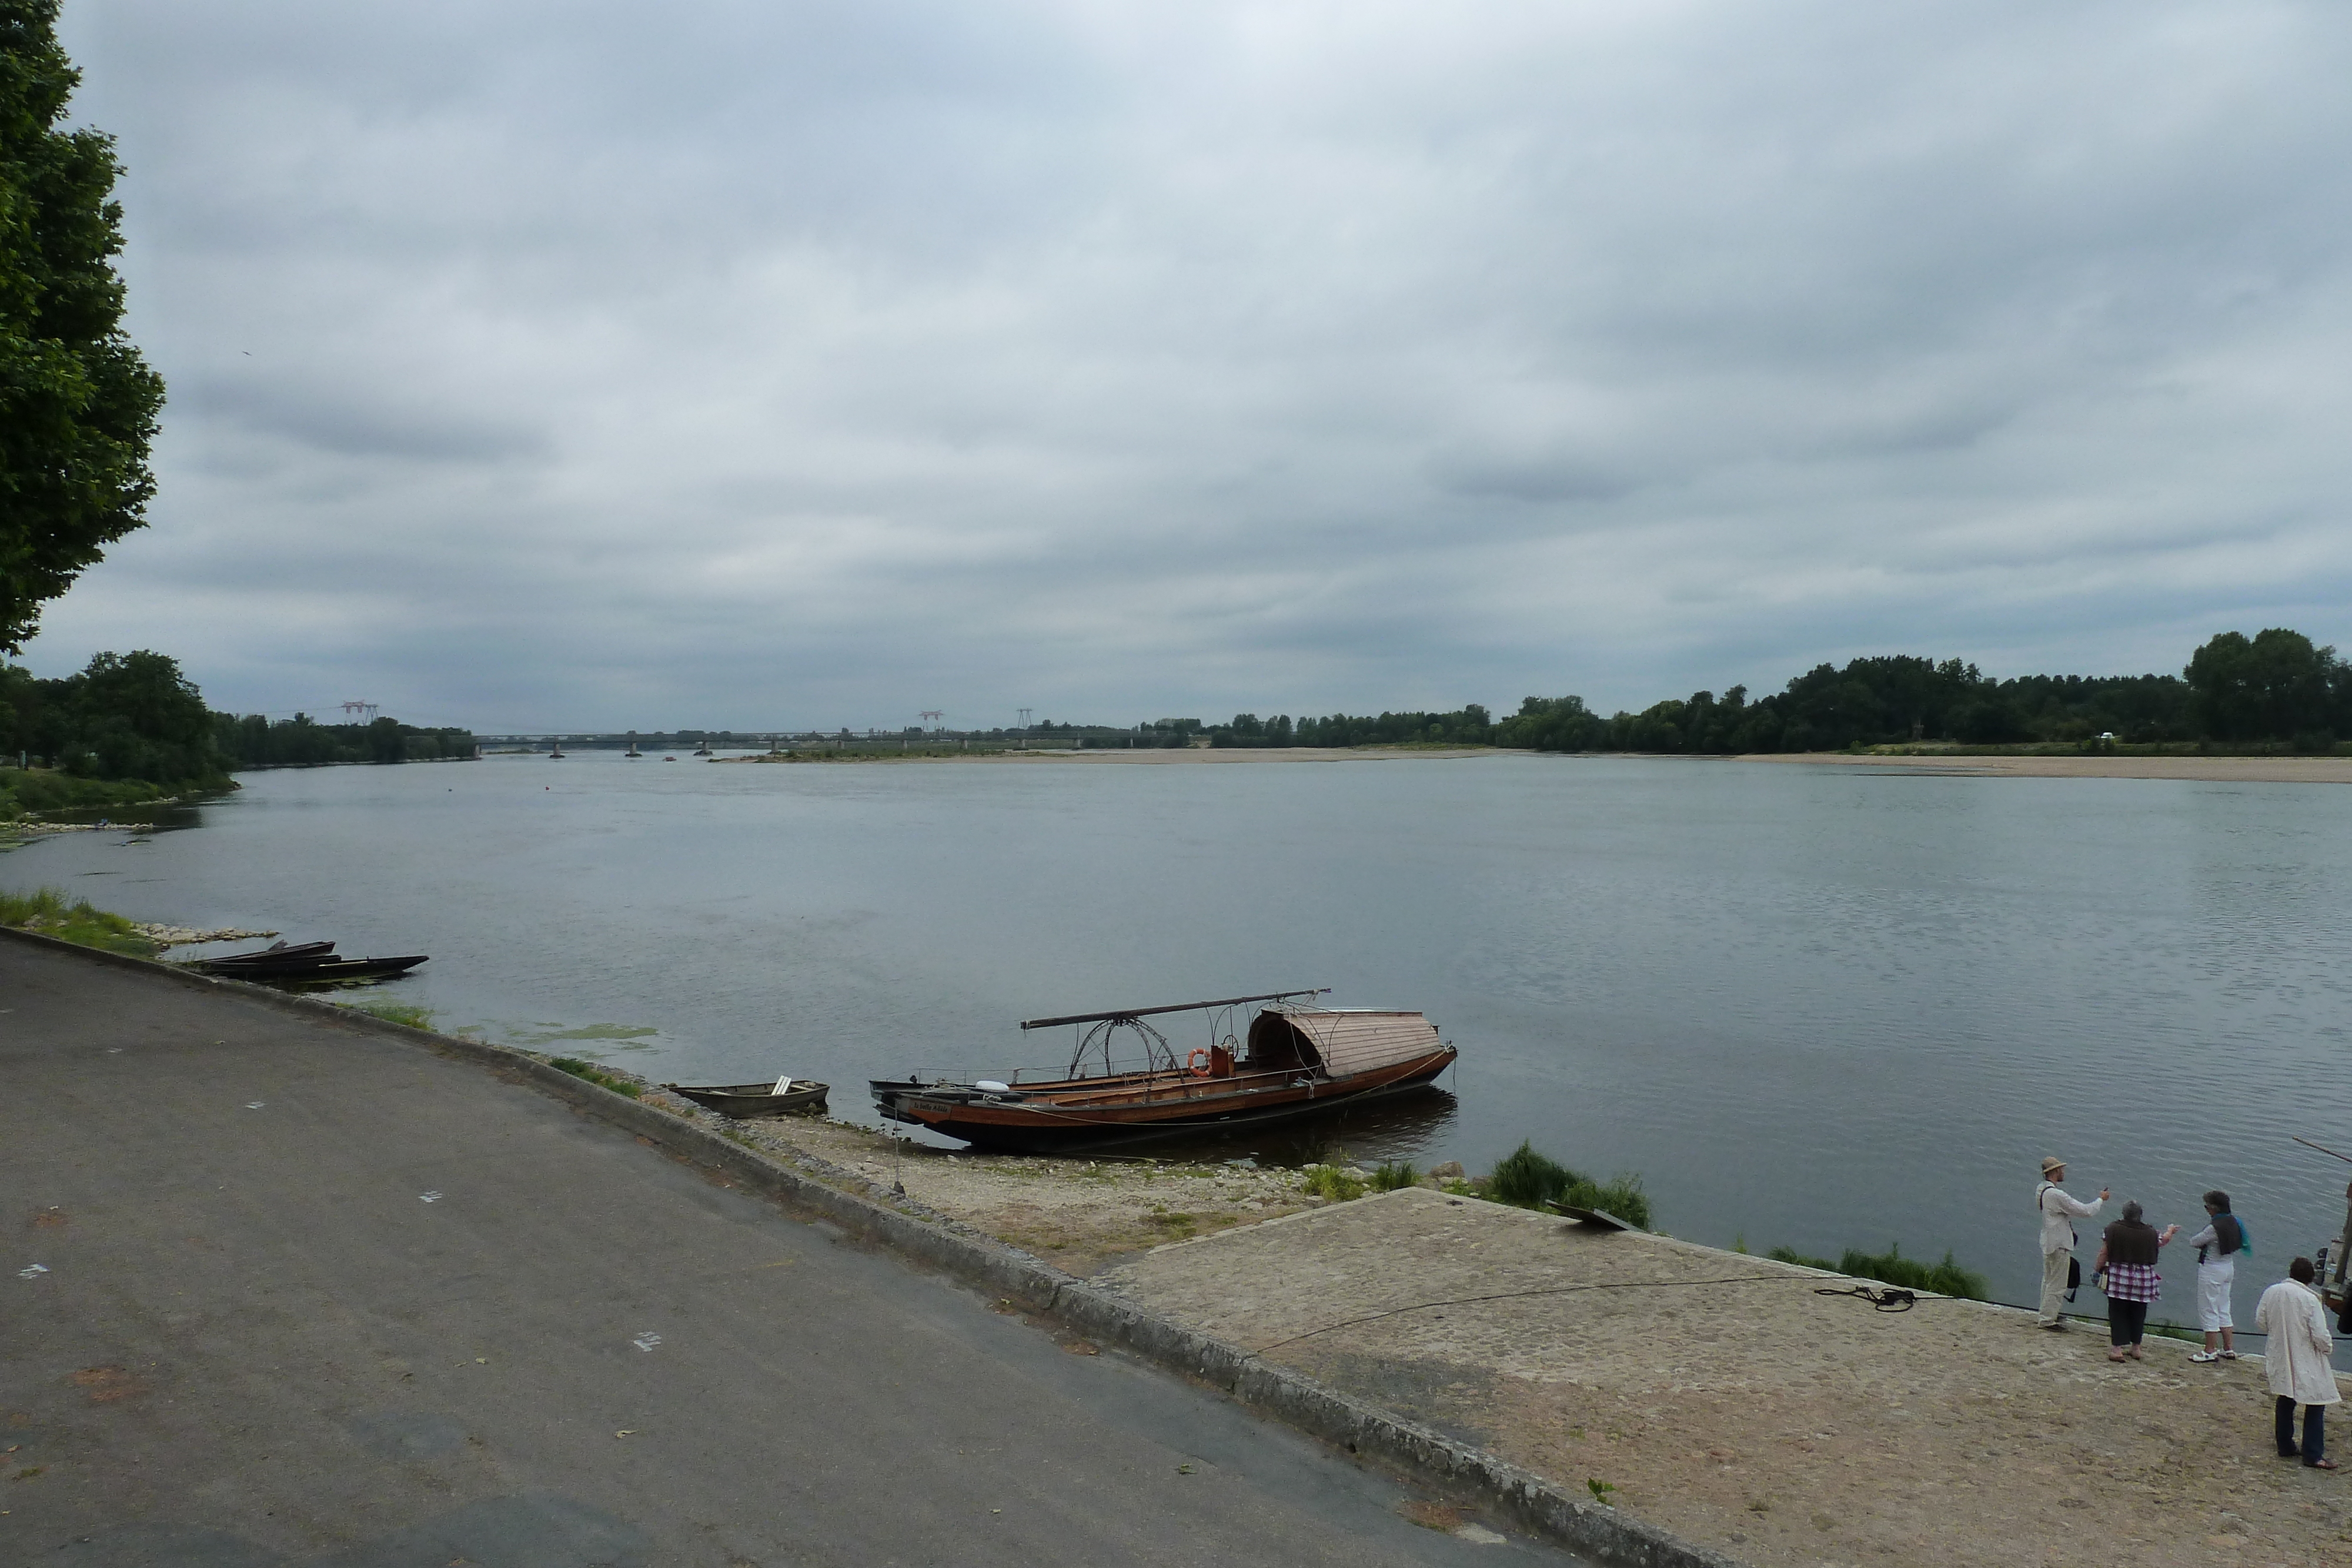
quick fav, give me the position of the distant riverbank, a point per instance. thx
(1156, 755)
(2204, 769)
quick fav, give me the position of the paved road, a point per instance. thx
(311, 1296)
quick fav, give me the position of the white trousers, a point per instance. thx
(2214, 1277)
(2053, 1284)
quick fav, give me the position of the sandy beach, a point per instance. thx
(1159, 754)
(2201, 770)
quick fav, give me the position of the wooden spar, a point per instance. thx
(1180, 1008)
(2322, 1148)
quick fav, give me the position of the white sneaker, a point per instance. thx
(2205, 1355)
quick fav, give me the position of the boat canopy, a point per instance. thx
(1344, 1041)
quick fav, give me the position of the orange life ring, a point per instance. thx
(1197, 1064)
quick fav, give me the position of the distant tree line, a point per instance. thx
(250, 740)
(2275, 689)
(134, 718)
(1470, 725)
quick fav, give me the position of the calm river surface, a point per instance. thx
(1809, 1005)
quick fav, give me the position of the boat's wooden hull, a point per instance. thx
(1082, 1112)
(333, 972)
(746, 1101)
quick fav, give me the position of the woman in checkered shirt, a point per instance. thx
(2126, 1268)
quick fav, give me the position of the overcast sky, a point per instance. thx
(751, 364)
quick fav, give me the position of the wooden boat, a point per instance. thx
(1299, 1060)
(785, 1096)
(275, 953)
(343, 971)
(310, 962)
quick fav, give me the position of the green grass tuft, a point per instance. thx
(1526, 1179)
(596, 1075)
(407, 1013)
(1393, 1175)
(1336, 1183)
(1891, 1268)
(45, 910)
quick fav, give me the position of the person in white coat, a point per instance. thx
(2297, 1361)
(2059, 1213)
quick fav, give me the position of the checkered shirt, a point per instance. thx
(2132, 1282)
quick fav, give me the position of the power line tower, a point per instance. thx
(932, 715)
(365, 710)
(1024, 718)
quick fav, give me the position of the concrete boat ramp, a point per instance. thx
(284, 1289)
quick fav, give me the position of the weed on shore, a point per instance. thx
(47, 912)
(596, 1075)
(1891, 1268)
(407, 1013)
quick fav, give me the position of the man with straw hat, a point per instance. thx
(2059, 1212)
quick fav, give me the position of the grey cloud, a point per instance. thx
(333, 419)
(816, 362)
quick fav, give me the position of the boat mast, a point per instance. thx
(1126, 1014)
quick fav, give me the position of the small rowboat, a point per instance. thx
(309, 970)
(784, 1097)
(275, 953)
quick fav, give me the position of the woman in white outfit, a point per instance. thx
(2297, 1362)
(2218, 1246)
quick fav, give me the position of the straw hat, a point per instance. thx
(2051, 1163)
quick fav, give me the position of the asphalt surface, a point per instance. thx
(279, 1291)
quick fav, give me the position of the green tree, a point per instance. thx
(77, 404)
(134, 715)
(2273, 687)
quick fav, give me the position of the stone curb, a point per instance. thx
(867, 1211)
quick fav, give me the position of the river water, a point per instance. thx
(1810, 1004)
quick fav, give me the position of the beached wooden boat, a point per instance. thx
(275, 953)
(785, 1096)
(1297, 1060)
(345, 971)
(308, 964)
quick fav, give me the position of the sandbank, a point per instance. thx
(2199, 770)
(1161, 755)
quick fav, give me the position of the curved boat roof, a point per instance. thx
(1350, 1040)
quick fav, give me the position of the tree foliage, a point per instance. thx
(253, 740)
(125, 716)
(2276, 688)
(77, 404)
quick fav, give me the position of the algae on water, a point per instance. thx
(625, 1036)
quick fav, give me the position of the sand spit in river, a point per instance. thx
(2200, 769)
(1158, 755)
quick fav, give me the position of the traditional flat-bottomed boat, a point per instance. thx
(1294, 1060)
(304, 964)
(784, 1097)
